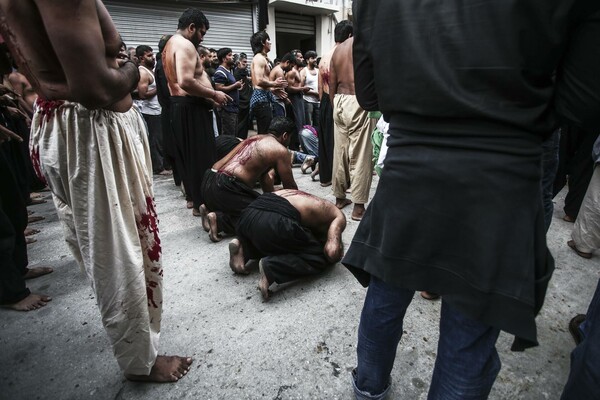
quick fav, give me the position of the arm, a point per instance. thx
(220, 83)
(334, 248)
(332, 78)
(78, 39)
(364, 76)
(284, 169)
(320, 85)
(577, 98)
(143, 91)
(260, 77)
(186, 59)
(267, 181)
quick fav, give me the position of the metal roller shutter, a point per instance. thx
(144, 22)
(295, 23)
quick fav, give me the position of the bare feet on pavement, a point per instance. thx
(341, 203)
(30, 231)
(213, 232)
(166, 369)
(29, 303)
(189, 204)
(236, 258)
(36, 272)
(34, 218)
(263, 283)
(358, 212)
(204, 215)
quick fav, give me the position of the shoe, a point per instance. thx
(308, 163)
(429, 295)
(574, 324)
(580, 253)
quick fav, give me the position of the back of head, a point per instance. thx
(193, 16)
(257, 41)
(163, 42)
(343, 30)
(203, 51)
(222, 53)
(280, 125)
(310, 54)
(288, 57)
(141, 50)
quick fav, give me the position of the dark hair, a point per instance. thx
(193, 16)
(212, 50)
(257, 41)
(243, 55)
(309, 54)
(141, 50)
(280, 125)
(202, 51)
(222, 53)
(343, 30)
(288, 57)
(163, 42)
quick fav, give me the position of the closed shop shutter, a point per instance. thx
(294, 23)
(144, 22)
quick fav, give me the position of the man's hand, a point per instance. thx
(334, 250)
(221, 98)
(6, 135)
(305, 89)
(280, 83)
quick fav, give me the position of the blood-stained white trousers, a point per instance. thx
(97, 165)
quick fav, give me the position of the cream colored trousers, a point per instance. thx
(353, 150)
(586, 232)
(97, 165)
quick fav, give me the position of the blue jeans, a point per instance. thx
(467, 362)
(309, 142)
(584, 378)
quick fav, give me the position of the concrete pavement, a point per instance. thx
(300, 345)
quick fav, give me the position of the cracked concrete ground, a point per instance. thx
(300, 345)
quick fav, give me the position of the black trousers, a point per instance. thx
(264, 115)
(168, 143)
(155, 141)
(243, 122)
(574, 160)
(194, 142)
(227, 197)
(13, 220)
(325, 140)
(288, 250)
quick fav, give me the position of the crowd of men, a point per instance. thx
(458, 212)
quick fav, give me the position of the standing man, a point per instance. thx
(192, 98)
(458, 208)
(310, 78)
(93, 151)
(225, 82)
(241, 74)
(295, 91)
(150, 107)
(262, 98)
(281, 96)
(353, 154)
(343, 30)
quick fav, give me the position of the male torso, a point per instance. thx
(255, 156)
(324, 72)
(172, 70)
(342, 70)
(259, 69)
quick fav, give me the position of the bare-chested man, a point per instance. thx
(292, 233)
(228, 186)
(353, 153)
(343, 30)
(93, 151)
(295, 91)
(278, 72)
(192, 99)
(262, 98)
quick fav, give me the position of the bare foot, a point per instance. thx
(196, 212)
(236, 257)
(358, 212)
(325, 184)
(429, 295)
(341, 203)
(35, 218)
(36, 272)
(31, 302)
(37, 200)
(166, 172)
(213, 232)
(30, 231)
(263, 283)
(189, 204)
(204, 215)
(165, 369)
(30, 240)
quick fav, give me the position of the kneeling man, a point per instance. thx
(227, 187)
(292, 233)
